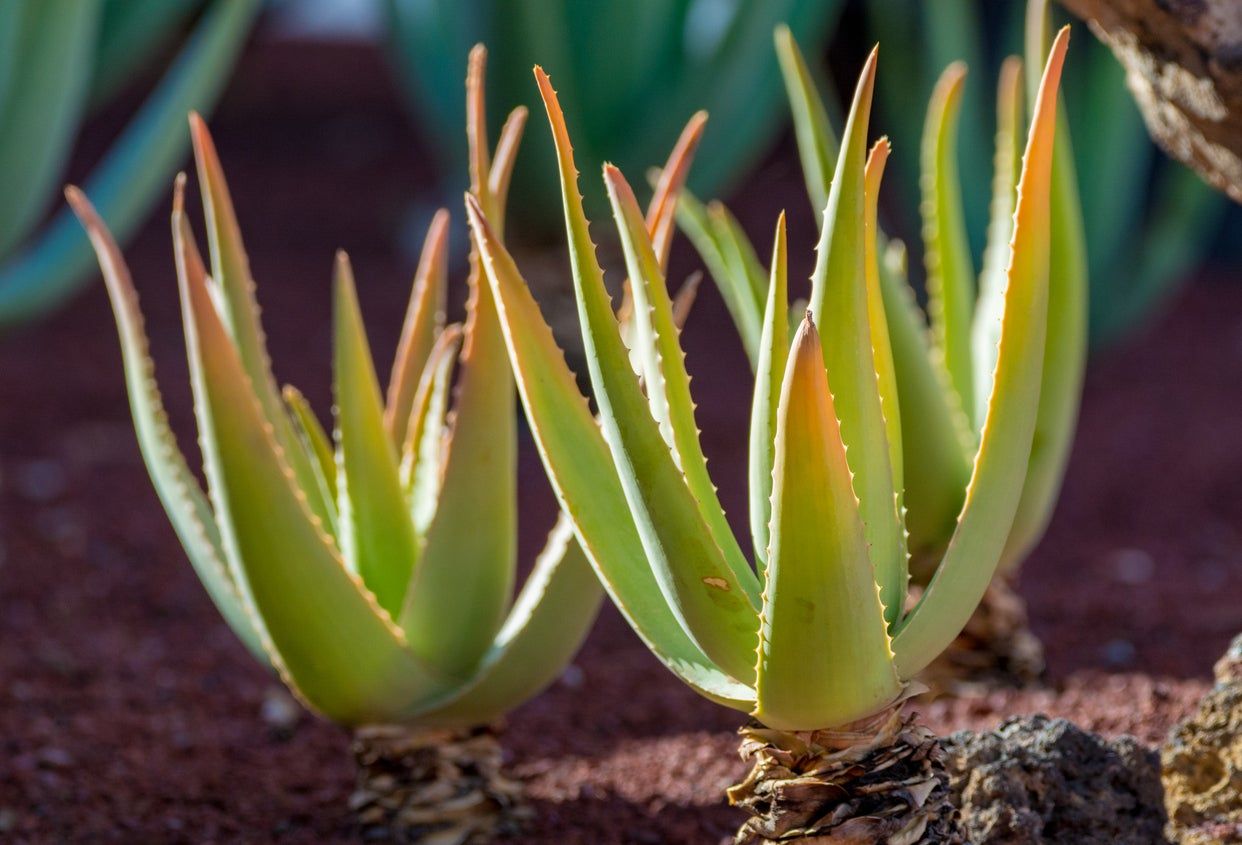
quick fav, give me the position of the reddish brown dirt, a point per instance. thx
(128, 713)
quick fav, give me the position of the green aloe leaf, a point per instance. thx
(881, 342)
(1065, 352)
(839, 293)
(135, 168)
(716, 603)
(725, 260)
(548, 622)
(230, 271)
(985, 331)
(314, 440)
(769, 374)
(1005, 446)
(377, 535)
(950, 276)
(824, 653)
(424, 318)
(581, 470)
(422, 461)
(667, 383)
(328, 637)
(178, 490)
(817, 144)
(39, 117)
(454, 611)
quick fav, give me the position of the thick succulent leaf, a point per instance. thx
(39, 117)
(934, 431)
(135, 168)
(187, 507)
(377, 535)
(662, 213)
(314, 440)
(716, 603)
(1005, 447)
(327, 635)
(824, 655)
(1065, 353)
(422, 461)
(548, 622)
(839, 299)
(582, 473)
(881, 342)
(729, 276)
(454, 610)
(505, 157)
(230, 270)
(950, 276)
(667, 382)
(817, 144)
(769, 375)
(1007, 164)
(424, 318)
(465, 578)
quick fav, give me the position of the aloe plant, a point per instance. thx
(635, 73)
(814, 639)
(943, 364)
(372, 570)
(1149, 220)
(57, 58)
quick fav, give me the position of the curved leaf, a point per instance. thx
(178, 490)
(839, 296)
(581, 470)
(950, 277)
(716, 605)
(1005, 447)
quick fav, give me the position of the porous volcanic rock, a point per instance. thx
(1202, 762)
(1041, 781)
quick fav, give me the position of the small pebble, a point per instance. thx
(8, 819)
(279, 711)
(573, 676)
(1133, 566)
(40, 480)
(1119, 652)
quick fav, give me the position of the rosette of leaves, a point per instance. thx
(943, 362)
(59, 59)
(814, 639)
(373, 569)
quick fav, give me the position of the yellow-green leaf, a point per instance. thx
(1005, 447)
(817, 145)
(950, 276)
(422, 459)
(582, 473)
(377, 536)
(769, 375)
(178, 490)
(423, 321)
(839, 295)
(314, 440)
(824, 655)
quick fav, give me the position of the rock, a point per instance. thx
(1041, 781)
(1202, 763)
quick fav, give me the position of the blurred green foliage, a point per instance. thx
(1149, 220)
(630, 75)
(59, 59)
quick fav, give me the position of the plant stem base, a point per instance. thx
(995, 649)
(433, 787)
(880, 781)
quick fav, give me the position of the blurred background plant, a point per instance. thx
(631, 75)
(1150, 221)
(60, 61)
